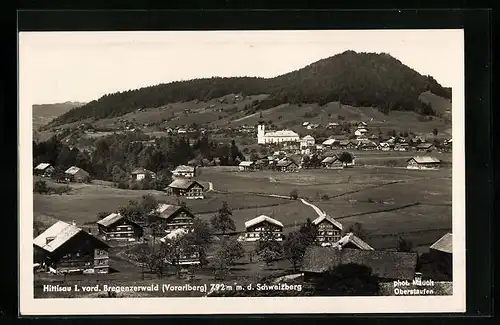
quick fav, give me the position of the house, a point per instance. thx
(305, 124)
(191, 258)
(185, 188)
(67, 249)
(171, 217)
(76, 174)
(329, 230)
(261, 163)
(367, 145)
(360, 132)
(44, 169)
(425, 146)
(387, 265)
(442, 249)
(332, 125)
(332, 162)
(402, 146)
(255, 227)
(281, 136)
(140, 174)
(347, 144)
(423, 162)
(246, 166)
(307, 141)
(362, 125)
(184, 171)
(329, 143)
(287, 166)
(350, 240)
(194, 162)
(117, 227)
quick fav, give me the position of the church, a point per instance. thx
(264, 137)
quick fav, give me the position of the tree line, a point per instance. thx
(357, 79)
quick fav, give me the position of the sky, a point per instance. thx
(83, 66)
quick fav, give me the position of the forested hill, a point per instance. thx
(357, 79)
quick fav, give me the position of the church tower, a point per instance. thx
(261, 132)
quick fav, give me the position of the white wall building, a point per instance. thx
(264, 137)
(307, 141)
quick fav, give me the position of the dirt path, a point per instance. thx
(315, 208)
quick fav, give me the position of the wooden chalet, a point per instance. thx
(139, 174)
(387, 265)
(172, 217)
(44, 169)
(262, 224)
(76, 174)
(117, 227)
(184, 171)
(246, 166)
(332, 162)
(425, 147)
(423, 162)
(186, 188)
(287, 166)
(66, 248)
(329, 230)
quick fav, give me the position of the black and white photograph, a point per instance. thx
(322, 168)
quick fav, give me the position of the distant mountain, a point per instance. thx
(356, 79)
(45, 113)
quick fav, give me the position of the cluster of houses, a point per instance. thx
(72, 174)
(66, 248)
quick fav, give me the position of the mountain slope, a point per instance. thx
(357, 79)
(44, 113)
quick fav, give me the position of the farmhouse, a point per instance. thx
(329, 230)
(44, 169)
(307, 141)
(442, 252)
(332, 162)
(67, 248)
(360, 132)
(184, 171)
(347, 144)
(246, 166)
(387, 265)
(263, 224)
(183, 258)
(287, 166)
(76, 174)
(350, 240)
(117, 227)
(264, 137)
(423, 162)
(367, 145)
(172, 217)
(140, 174)
(425, 146)
(186, 188)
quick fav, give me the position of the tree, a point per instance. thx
(404, 245)
(268, 255)
(348, 280)
(225, 256)
(358, 230)
(435, 131)
(199, 239)
(297, 242)
(306, 161)
(222, 221)
(268, 247)
(149, 203)
(41, 187)
(133, 211)
(346, 158)
(294, 195)
(118, 175)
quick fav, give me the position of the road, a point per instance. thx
(315, 208)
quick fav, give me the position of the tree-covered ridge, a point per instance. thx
(358, 79)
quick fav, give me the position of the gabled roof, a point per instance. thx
(362, 130)
(308, 137)
(165, 211)
(444, 244)
(184, 184)
(61, 232)
(281, 133)
(141, 170)
(177, 233)
(73, 170)
(285, 163)
(355, 240)
(425, 159)
(42, 166)
(260, 219)
(344, 142)
(246, 163)
(329, 160)
(110, 219)
(384, 264)
(318, 220)
(184, 168)
(329, 142)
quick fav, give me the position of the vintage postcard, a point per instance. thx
(176, 172)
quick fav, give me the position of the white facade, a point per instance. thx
(264, 137)
(307, 141)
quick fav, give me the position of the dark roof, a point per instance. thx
(384, 264)
(285, 163)
(113, 218)
(424, 145)
(165, 211)
(141, 170)
(184, 184)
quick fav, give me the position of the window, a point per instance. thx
(129, 228)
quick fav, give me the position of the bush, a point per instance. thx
(122, 185)
(294, 195)
(40, 187)
(60, 189)
(325, 197)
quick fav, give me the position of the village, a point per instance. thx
(227, 242)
